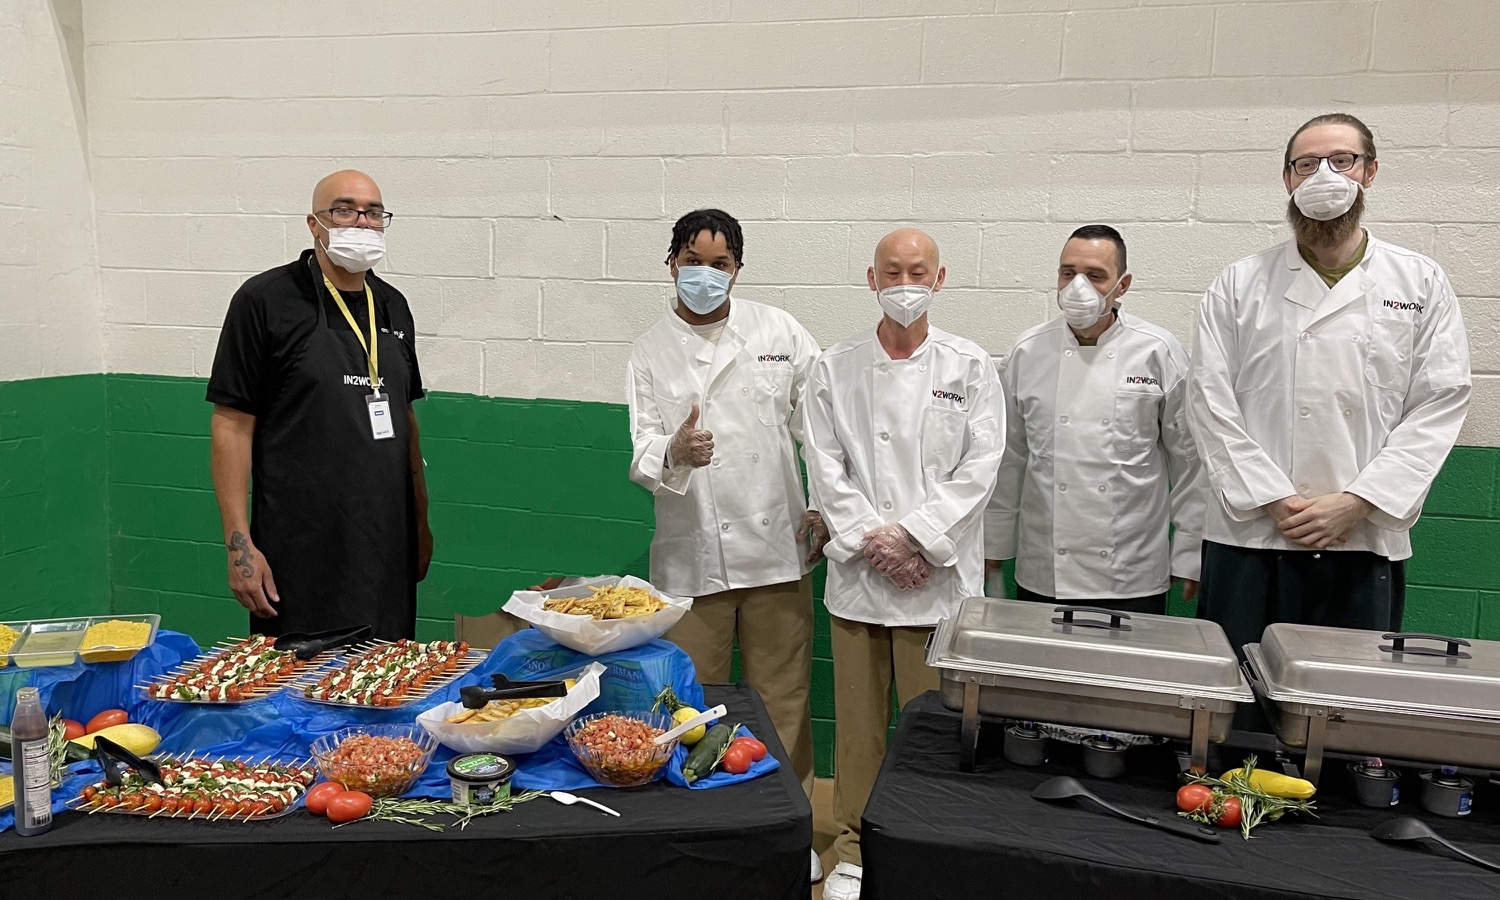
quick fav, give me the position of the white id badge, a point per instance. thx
(381, 425)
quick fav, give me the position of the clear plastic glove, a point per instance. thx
(815, 532)
(691, 446)
(888, 546)
(910, 574)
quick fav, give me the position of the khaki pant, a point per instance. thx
(866, 659)
(774, 624)
(487, 630)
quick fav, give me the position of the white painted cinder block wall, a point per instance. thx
(50, 319)
(536, 154)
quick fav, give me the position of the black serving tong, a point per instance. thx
(116, 761)
(306, 645)
(476, 697)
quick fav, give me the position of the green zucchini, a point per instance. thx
(706, 753)
(76, 752)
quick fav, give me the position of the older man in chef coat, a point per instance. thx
(904, 434)
(715, 390)
(1330, 381)
(1098, 458)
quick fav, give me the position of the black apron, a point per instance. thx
(332, 509)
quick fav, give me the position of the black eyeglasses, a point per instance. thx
(1338, 162)
(345, 216)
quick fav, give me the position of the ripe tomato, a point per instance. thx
(1230, 817)
(1194, 797)
(756, 748)
(73, 729)
(106, 719)
(348, 806)
(737, 760)
(318, 797)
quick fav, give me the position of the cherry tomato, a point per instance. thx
(318, 797)
(73, 729)
(348, 806)
(756, 748)
(106, 719)
(737, 760)
(1230, 817)
(1194, 797)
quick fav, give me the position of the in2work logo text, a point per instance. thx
(948, 395)
(1402, 305)
(1141, 379)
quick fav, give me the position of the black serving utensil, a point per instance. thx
(1406, 828)
(475, 697)
(306, 645)
(116, 761)
(1065, 787)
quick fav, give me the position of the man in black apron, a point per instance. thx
(312, 405)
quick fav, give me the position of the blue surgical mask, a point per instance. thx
(702, 289)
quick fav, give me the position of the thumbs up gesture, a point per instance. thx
(691, 445)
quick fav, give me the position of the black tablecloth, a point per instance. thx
(744, 840)
(931, 831)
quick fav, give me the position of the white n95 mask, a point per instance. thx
(702, 289)
(355, 249)
(1326, 194)
(906, 303)
(1081, 303)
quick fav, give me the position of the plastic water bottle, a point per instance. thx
(32, 771)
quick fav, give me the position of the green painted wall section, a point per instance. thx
(105, 501)
(53, 554)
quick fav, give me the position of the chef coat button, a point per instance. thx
(684, 340)
(1103, 421)
(1110, 354)
(765, 521)
(1354, 338)
(1305, 412)
(1062, 553)
(755, 457)
(716, 464)
(1069, 353)
(744, 390)
(1063, 419)
(922, 367)
(885, 435)
(1348, 413)
(1306, 336)
(1063, 487)
(1103, 554)
(1102, 488)
(887, 504)
(724, 527)
(883, 367)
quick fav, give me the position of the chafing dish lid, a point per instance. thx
(1345, 667)
(1159, 654)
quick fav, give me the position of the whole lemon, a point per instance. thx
(693, 736)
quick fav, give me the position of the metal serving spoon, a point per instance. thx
(1406, 828)
(1065, 787)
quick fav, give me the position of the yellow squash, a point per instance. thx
(1277, 785)
(138, 739)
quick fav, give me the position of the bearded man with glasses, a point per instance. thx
(1330, 381)
(312, 387)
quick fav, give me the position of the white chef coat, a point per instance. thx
(1098, 458)
(733, 523)
(913, 441)
(1299, 388)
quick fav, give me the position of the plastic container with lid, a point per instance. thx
(480, 779)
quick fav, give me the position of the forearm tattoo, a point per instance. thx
(237, 541)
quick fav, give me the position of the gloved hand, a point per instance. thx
(691, 446)
(815, 532)
(911, 574)
(893, 553)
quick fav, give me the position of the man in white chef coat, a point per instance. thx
(1098, 458)
(904, 434)
(715, 389)
(1330, 381)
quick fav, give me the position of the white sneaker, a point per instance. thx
(817, 868)
(843, 882)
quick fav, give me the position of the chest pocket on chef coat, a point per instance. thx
(943, 433)
(1136, 426)
(1388, 352)
(773, 393)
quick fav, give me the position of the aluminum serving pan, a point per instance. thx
(1410, 696)
(1088, 667)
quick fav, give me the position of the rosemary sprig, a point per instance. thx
(405, 812)
(1256, 806)
(57, 749)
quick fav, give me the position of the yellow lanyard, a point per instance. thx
(372, 349)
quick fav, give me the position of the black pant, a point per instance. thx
(1244, 590)
(1155, 603)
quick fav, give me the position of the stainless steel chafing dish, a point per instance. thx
(1377, 694)
(1088, 667)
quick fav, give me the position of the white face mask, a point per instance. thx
(702, 289)
(355, 249)
(1326, 194)
(1081, 303)
(906, 303)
